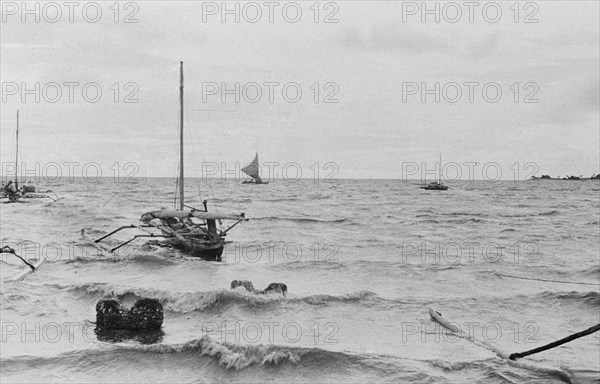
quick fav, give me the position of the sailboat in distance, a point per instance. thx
(252, 171)
(193, 231)
(436, 185)
(11, 193)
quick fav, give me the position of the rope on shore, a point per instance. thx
(551, 281)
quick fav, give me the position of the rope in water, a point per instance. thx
(588, 331)
(551, 281)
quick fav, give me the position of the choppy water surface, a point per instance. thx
(363, 261)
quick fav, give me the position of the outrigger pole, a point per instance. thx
(113, 232)
(136, 237)
(7, 249)
(574, 336)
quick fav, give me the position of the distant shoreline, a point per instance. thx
(37, 179)
(568, 178)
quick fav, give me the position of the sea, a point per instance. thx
(513, 265)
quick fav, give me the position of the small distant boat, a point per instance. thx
(11, 192)
(436, 185)
(192, 231)
(252, 171)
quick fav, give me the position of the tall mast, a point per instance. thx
(181, 137)
(440, 172)
(17, 156)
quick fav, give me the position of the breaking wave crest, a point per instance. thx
(227, 355)
(185, 302)
(200, 353)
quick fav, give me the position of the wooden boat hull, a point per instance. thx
(254, 182)
(435, 188)
(200, 249)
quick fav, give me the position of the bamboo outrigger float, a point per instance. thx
(192, 231)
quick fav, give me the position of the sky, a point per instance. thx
(517, 88)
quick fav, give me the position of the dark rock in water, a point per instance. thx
(120, 335)
(272, 288)
(276, 288)
(243, 283)
(145, 315)
(110, 314)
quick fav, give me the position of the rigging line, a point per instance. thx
(190, 133)
(199, 183)
(212, 195)
(177, 177)
(211, 191)
(192, 122)
(551, 281)
(176, 190)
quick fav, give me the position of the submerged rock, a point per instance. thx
(243, 283)
(272, 288)
(145, 315)
(276, 288)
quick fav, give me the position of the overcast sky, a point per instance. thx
(370, 59)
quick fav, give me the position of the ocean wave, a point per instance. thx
(465, 221)
(283, 199)
(230, 356)
(233, 356)
(320, 265)
(236, 358)
(590, 298)
(432, 221)
(463, 214)
(178, 302)
(185, 302)
(300, 219)
(594, 272)
(156, 259)
(456, 365)
(230, 200)
(348, 298)
(548, 213)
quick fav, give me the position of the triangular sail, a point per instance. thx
(252, 169)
